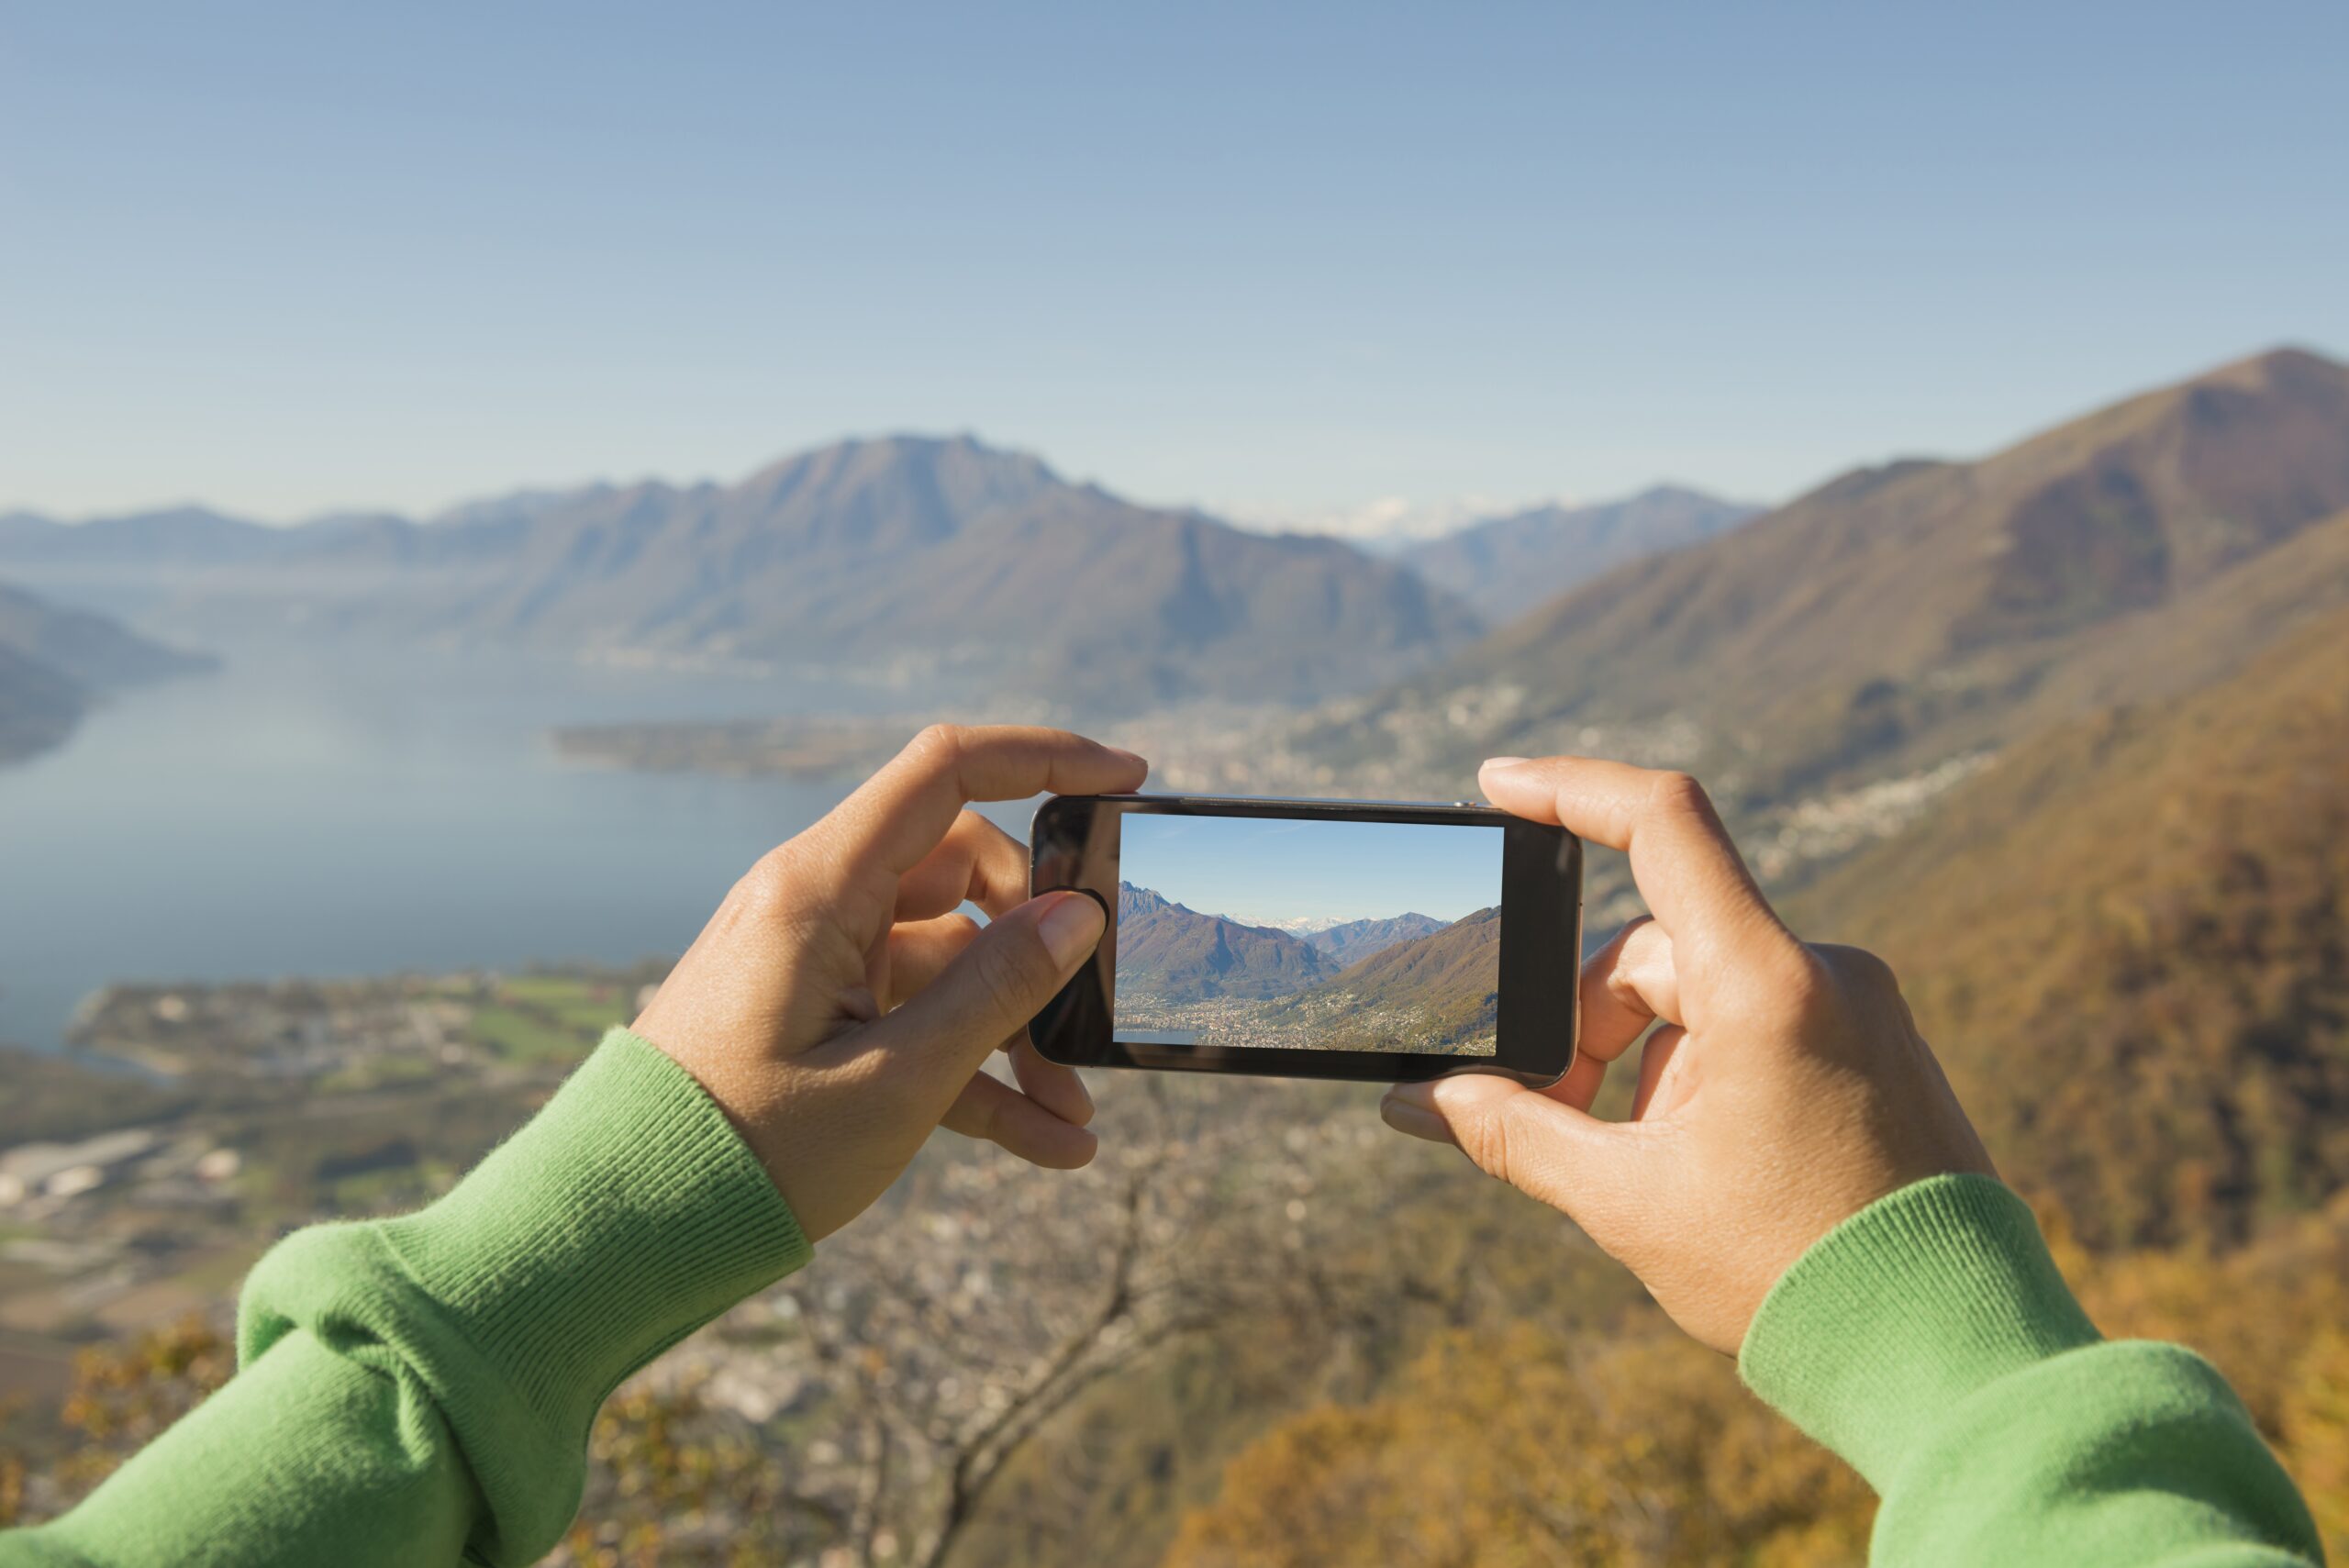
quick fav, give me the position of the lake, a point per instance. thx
(321, 810)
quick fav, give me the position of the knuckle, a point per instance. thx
(1679, 794)
(939, 743)
(769, 889)
(1859, 969)
(1800, 988)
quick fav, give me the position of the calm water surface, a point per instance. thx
(346, 812)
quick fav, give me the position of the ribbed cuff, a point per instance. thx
(624, 1216)
(1904, 1309)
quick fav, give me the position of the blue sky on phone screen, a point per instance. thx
(1266, 870)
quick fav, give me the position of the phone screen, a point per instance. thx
(1298, 935)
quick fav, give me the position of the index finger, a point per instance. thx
(975, 863)
(901, 813)
(1687, 868)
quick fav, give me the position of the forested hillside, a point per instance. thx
(1432, 993)
(1524, 1444)
(2129, 940)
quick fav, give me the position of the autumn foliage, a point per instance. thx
(1528, 1448)
(2128, 942)
(1644, 1451)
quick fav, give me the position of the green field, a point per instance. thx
(545, 1018)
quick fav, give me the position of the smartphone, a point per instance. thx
(1315, 939)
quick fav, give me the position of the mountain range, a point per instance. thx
(1507, 565)
(1175, 952)
(1407, 982)
(1350, 941)
(55, 662)
(942, 561)
(1904, 614)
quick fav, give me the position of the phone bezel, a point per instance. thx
(1538, 1024)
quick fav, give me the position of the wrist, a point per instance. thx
(1904, 1309)
(621, 1217)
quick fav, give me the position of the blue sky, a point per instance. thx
(1260, 871)
(1291, 259)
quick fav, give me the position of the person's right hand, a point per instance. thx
(1787, 1090)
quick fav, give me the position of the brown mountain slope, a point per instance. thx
(1432, 992)
(2204, 637)
(2129, 940)
(1903, 612)
(1172, 951)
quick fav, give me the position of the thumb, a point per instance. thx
(1569, 1159)
(1001, 978)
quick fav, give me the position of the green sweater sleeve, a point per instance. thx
(1931, 1342)
(419, 1390)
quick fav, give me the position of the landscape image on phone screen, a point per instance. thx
(1309, 935)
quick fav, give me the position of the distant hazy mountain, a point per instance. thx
(55, 660)
(1504, 566)
(1899, 615)
(1423, 993)
(87, 649)
(908, 556)
(1303, 927)
(1174, 951)
(38, 706)
(177, 537)
(1350, 941)
(517, 507)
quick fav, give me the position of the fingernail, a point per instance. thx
(1417, 1120)
(1136, 758)
(1070, 928)
(1504, 761)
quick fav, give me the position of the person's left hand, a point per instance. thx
(837, 1007)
